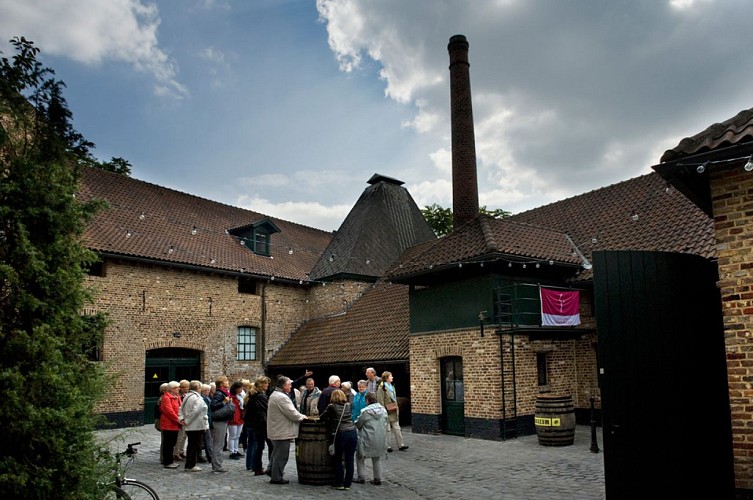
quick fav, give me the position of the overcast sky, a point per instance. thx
(288, 107)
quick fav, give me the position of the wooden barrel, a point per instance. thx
(312, 459)
(555, 420)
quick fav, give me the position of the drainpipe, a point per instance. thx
(263, 336)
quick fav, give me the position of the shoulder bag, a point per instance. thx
(331, 448)
(389, 406)
(225, 413)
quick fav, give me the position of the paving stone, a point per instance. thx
(435, 467)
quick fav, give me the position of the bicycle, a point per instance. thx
(126, 488)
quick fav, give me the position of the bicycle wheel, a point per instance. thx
(136, 490)
(116, 493)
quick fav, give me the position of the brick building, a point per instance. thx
(481, 357)
(715, 169)
(196, 289)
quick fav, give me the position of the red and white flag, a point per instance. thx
(559, 307)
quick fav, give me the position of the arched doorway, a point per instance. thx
(164, 365)
(453, 396)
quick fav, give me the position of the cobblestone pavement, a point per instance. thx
(435, 466)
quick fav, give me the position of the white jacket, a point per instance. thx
(282, 417)
(193, 410)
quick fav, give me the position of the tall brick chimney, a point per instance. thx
(464, 183)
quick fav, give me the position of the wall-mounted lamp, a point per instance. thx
(749, 164)
(481, 319)
(176, 335)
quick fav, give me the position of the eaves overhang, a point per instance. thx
(683, 173)
(496, 263)
(203, 269)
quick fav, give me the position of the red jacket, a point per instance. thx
(169, 407)
(238, 415)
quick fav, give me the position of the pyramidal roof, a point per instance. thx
(381, 225)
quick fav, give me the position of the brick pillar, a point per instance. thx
(464, 183)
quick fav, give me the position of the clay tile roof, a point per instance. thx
(736, 130)
(381, 225)
(486, 237)
(363, 333)
(156, 223)
(637, 214)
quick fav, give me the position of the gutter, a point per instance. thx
(211, 270)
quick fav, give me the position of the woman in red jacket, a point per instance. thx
(169, 423)
(235, 425)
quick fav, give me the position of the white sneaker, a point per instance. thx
(194, 469)
(172, 466)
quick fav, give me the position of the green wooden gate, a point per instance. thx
(164, 365)
(666, 414)
(453, 396)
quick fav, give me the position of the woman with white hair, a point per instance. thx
(169, 423)
(193, 417)
(207, 443)
(347, 388)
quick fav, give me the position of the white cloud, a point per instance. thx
(301, 181)
(567, 97)
(212, 54)
(94, 31)
(344, 28)
(438, 191)
(312, 214)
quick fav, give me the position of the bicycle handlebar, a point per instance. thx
(131, 450)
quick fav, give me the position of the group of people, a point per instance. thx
(221, 417)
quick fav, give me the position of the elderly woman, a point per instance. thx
(205, 395)
(372, 439)
(169, 423)
(347, 388)
(359, 400)
(193, 417)
(339, 422)
(387, 397)
(157, 414)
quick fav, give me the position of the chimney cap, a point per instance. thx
(383, 178)
(458, 40)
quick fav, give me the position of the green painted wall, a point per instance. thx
(457, 304)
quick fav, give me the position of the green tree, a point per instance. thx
(440, 218)
(116, 164)
(49, 386)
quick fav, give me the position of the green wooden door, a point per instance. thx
(453, 400)
(664, 394)
(164, 365)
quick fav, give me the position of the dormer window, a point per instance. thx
(257, 237)
(261, 242)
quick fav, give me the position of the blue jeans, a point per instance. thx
(345, 451)
(255, 450)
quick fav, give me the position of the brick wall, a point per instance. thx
(334, 297)
(147, 304)
(572, 371)
(732, 198)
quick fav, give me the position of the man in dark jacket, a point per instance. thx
(334, 384)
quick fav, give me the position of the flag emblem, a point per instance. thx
(559, 307)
